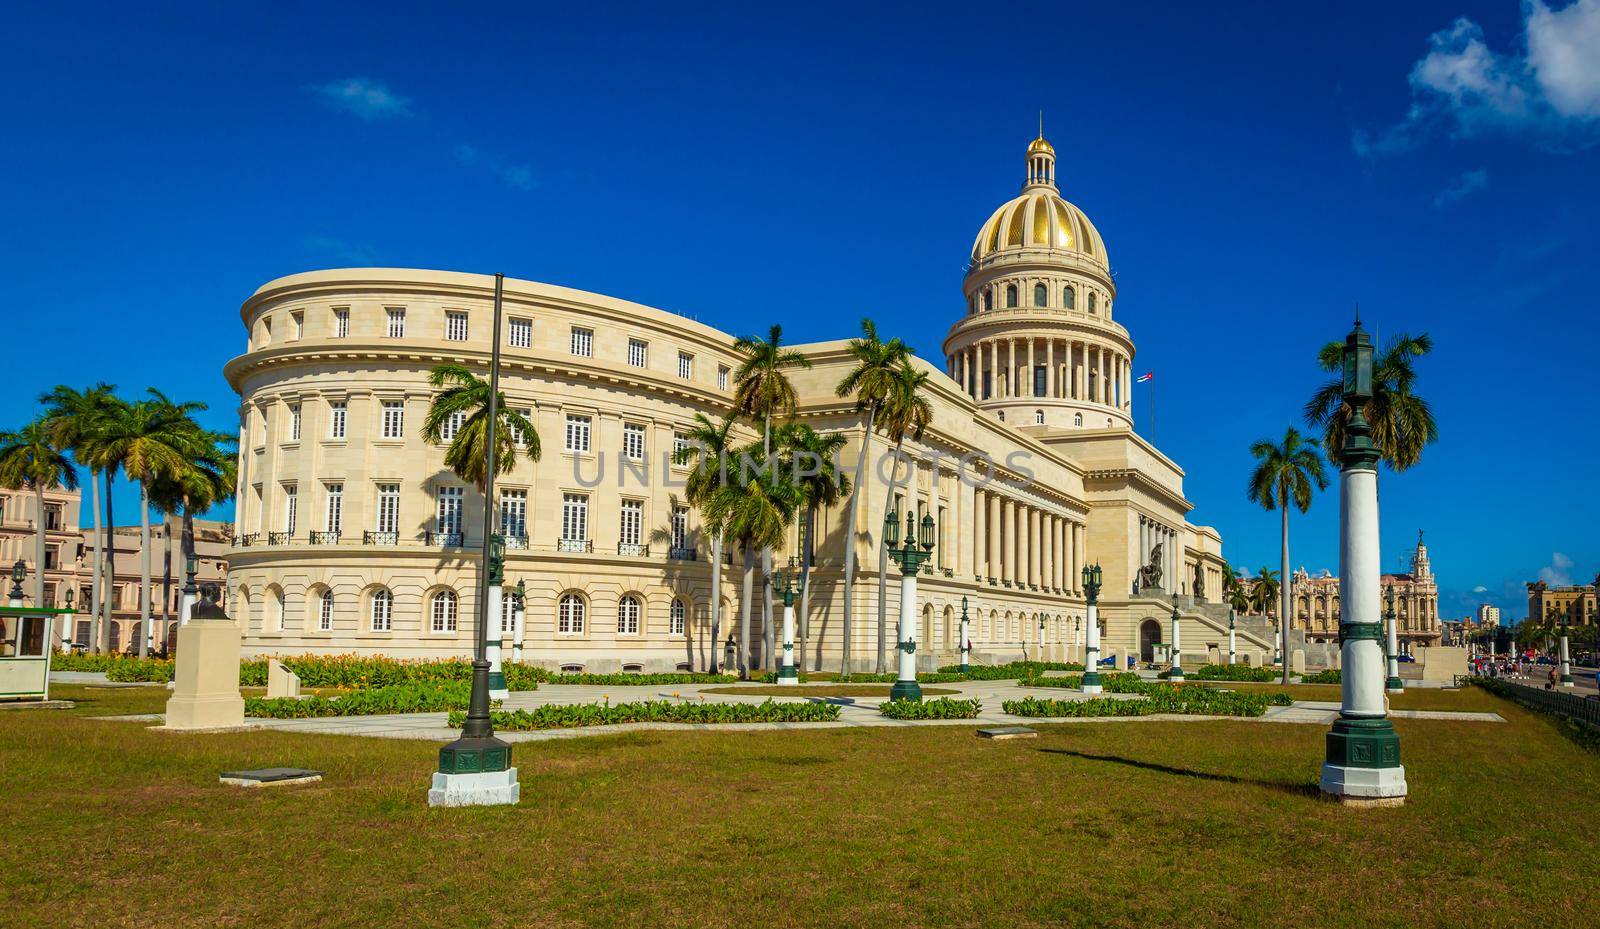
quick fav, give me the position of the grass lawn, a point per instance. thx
(1472, 699)
(832, 690)
(1198, 824)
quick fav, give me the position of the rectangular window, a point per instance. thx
(685, 365)
(632, 521)
(291, 508)
(574, 517)
(722, 377)
(521, 333)
(517, 435)
(514, 514)
(680, 527)
(447, 520)
(394, 419)
(397, 321)
(633, 441)
(680, 441)
(52, 517)
(341, 322)
(638, 352)
(382, 611)
(455, 325)
(297, 321)
(334, 509)
(294, 422)
(583, 342)
(52, 558)
(452, 425)
(336, 414)
(325, 611)
(388, 508)
(577, 433)
(1039, 380)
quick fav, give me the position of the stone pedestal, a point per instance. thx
(281, 682)
(1297, 662)
(205, 693)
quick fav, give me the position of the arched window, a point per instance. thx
(1069, 297)
(275, 604)
(325, 611)
(382, 610)
(1002, 415)
(508, 614)
(1038, 417)
(628, 615)
(1011, 295)
(569, 615)
(1077, 419)
(444, 611)
(1091, 301)
(988, 300)
(680, 611)
(1041, 295)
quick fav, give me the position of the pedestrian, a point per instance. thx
(1552, 683)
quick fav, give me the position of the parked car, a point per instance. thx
(1405, 658)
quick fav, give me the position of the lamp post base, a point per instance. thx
(475, 771)
(1175, 676)
(966, 668)
(788, 674)
(906, 690)
(497, 686)
(1566, 680)
(1394, 685)
(1091, 682)
(1363, 762)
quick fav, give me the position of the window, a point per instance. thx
(444, 611)
(266, 330)
(680, 441)
(988, 300)
(452, 425)
(1077, 419)
(382, 610)
(275, 610)
(52, 561)
(574, 517)
(1002, 415)
(638, 351)
(336, 414)
(455, 326)
(397, 321)
(583, 342)
(628, 615)
(521, 335)
(52, 516)
(632, 523)
(325, 611)
(514, 514)
(1092, 301)
(722, 377)
(394, 419)
(1040, 377)
(569, 615)
(1069, 297)
(291, 508)
(577, 433)
(447, 518)
(633, 441)
(680, 527)
(517, 435)
(1038, 420)
(341, 322)
(680, 611)
(297, 320)
(1041, 295)
(1011, 295)
(294, 422)
(388, 508)
(508, 613)
(334, 508)
(685, 365)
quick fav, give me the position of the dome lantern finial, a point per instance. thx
(1041, 161)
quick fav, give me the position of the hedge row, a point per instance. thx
(378, 701)
(942, 708)
(1235, 672)
(654, 711)
(1116, 682)
(1325, 676)
(1159, 698)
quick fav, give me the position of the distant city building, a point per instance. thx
(1488, 615)
(1576, 602)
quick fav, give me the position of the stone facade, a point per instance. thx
(1316, 603)
(1577, 602)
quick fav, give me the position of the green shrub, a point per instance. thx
(1325, 676)
(662, 711)
(129, 670)
(1183, 699)
(941, 708)
(1009, 671)
(1234, 672)
(630, 679)
(379, 701)
(1111, 682)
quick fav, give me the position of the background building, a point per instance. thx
(1488, 615)
(1577, 602)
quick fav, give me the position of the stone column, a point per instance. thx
(1008, 555)
(994, 524)
(979, 513)
(1050, 371)
(1035, 547)
(1031, 342)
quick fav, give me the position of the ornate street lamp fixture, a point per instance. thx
(519, 613)
(918, 549)
(784, 585)
(1233, 641)
(1176, 675)
(966, 639)
(19, 572)
(1091, 649)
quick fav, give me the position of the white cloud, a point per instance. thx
(1462, 187)
(1558, 572)
(519, 176)
(1550, 94)
(1480, 589)
(364, 97)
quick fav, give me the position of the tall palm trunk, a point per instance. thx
(1284, 592)
(805, 585)
(96, 615)
(850, 537)
(883, 563)
(766, 562)
(111, 565)
(144, 572)
(716, 601)
(744, 622)
(38, 545)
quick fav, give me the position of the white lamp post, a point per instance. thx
(1393, 684)
(787, 672)
(966, 639)
(1566, 659)
(492, 648)
(1362, 764)
(1233, 643)
(1176, 675)
(1091, 651)
(519, 614)
(918, 549)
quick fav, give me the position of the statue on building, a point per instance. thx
(1150, 573)
(1199, 589)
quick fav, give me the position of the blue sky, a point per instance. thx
(1255, 169)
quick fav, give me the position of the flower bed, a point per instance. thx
(628, 679)
(1187, 700)
(942, 708)
(378, 701)
(1010, 671)
(1116, 682)
(654, 711)
(1235, 672)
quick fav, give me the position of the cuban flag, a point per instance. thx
(1147, 376)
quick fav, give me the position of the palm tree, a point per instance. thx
(71, 417)
(149, 440)
(821, 484)
(707, 450)
(1264, 590)
(904, 411)
(869, 382)
(755, 510)
(1402, 422)
(1284, 475)
(762, 390)
(465, 398)
(1234, 592)
(28, 458)
(210, 479)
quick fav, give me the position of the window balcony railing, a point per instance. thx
(580, 546)
(380, 537)
(442, 539)
(948, 572)
(683, 553)
(325, 538)
(634, 549)
(277, 538)
(517, 543)
(246, 540)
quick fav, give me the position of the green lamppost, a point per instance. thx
(1393, 684)
(787, 672)
(918, 549)
(1091, 648)
(966, 639)
(1176, 675)
(1362, 764)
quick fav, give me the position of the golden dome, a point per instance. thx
(1040, 218)
(1040, 145)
